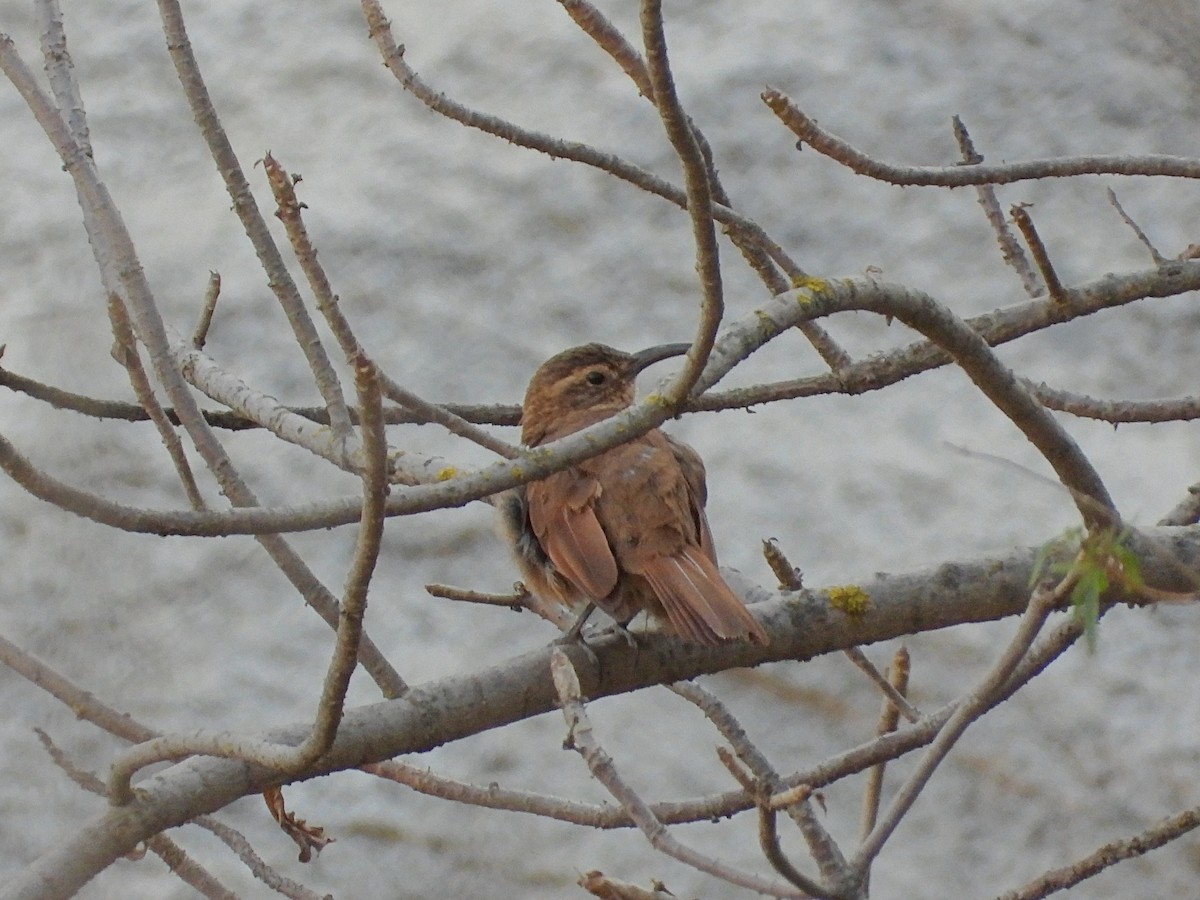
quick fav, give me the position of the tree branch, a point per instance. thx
(827, 144)
(455, 707)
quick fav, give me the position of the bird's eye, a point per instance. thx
(595, 377)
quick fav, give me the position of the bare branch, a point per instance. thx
(236, 842)
(126, 353)
(211, 294)
(1110, 854)
(762, 254)
(60, 69)
(768, 837)
(366, 554)
(348, 644)
(594, 24)
(938, 323)
(1024, 221)
(825, 143)
(278, 278)
(393, 57)
(165, 848)
(119, 264)
(581, 738)
(476, 413)
(894, 697)
(976, 703)
(187, 869)
(998, 327)
(1184, 409)
(822, 846)
(699, 200)
(889, 719)
(1010, 249)
(453, 707)
(1158, 258)
(84, 704)
(515, 600)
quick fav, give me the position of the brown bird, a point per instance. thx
(624, 530)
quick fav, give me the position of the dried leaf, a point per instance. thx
(311, 839)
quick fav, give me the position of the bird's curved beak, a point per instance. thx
(648, 357)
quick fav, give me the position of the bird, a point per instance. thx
(626, 530)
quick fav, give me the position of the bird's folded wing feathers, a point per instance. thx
(563, 515)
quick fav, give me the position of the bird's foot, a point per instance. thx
(574, 638)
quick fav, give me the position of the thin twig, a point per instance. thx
(188, 870)
(82, 703)
(1054, 287)
(288, 209)
(598, 884)
(256, 865)
(969, 710)
(476, 413)
(1184, 409)
(806, 129)
(764, 256)
(768, 839)
(514, 600)
(358, 579)
(1165, 831)
(595, 25)
(440, 415)
(789, 577)
(893, 697)
(581, 738)
(125, 351)
(294, 760)
(699, 200)
(179, 47)
(821, 844)
(60, 69)
(393, 56)
(1010, 248)
(211, 294)
(1158, 258)
(889, 719)
(118, 260)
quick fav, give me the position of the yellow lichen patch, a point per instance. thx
(850, 599)
(518, 472)
(447, 473)
(812, 285)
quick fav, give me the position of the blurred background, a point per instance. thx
(464, 262)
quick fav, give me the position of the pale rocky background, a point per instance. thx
(464, 262)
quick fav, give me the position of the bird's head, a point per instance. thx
(583, 385)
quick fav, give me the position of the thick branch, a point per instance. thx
(459, 706)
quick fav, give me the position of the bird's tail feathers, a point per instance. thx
(700, 606)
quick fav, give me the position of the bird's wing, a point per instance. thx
(699, 604)
(692, 467)
(563, 515)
